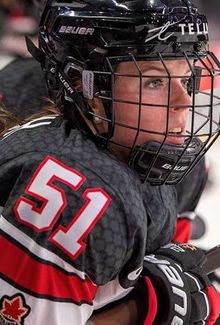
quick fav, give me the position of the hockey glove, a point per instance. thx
(179, 291)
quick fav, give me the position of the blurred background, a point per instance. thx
(19, 17)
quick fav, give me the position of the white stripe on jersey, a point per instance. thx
(36, 249)
(110, 292)
(105, 294)
(63, 312)
(45, 120)
(49, 312)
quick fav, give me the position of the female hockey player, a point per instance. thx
(80, 215)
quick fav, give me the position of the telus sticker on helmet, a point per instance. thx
(190, 28)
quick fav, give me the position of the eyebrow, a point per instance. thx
(151, 68)
(154, 68)
(162, 69)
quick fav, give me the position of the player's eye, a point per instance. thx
(187, 83)
(154, 83)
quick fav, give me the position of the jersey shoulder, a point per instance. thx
(72, 199)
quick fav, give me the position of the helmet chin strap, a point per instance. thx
(155, 162)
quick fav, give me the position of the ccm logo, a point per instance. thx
(76, 30)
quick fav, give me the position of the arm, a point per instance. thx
(124, 313)
(166, 278)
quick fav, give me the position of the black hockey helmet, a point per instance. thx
(86, 39)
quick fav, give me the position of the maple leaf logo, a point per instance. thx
(14, 308)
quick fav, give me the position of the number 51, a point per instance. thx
(41, 186)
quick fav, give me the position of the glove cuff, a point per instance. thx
(152, 302)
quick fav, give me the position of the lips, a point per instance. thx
(175, 140)
(176, 135)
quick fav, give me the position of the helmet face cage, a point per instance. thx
(88, 47)
(159, 162)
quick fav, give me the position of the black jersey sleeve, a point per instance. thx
(71, 213)
(79, 234)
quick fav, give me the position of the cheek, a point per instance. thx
(155, 97)
(126, 89)
(126, 114)
(153, 118)
(146, 118)
(126, 119)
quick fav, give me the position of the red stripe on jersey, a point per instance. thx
(41, 279)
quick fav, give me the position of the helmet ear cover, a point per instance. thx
(57, 80)
(72, 103)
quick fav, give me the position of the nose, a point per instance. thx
(180, 99)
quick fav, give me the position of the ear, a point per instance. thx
(99, 114)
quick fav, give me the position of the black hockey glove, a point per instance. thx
(179, 291)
